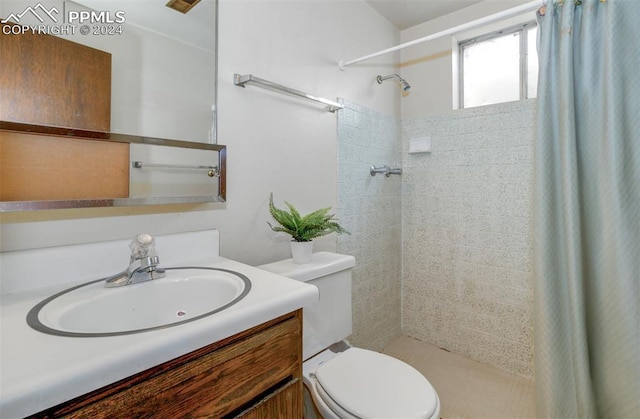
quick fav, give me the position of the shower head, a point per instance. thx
(405, 86)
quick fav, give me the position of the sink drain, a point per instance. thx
(181, 313)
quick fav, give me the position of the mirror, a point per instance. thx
(163, 66)
(163, 62)
(163, 89)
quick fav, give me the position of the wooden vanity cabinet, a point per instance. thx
(253, 374)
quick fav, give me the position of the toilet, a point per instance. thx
(341, 381)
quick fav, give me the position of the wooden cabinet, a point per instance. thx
(254, 374)
(47, 80)
(38, 168)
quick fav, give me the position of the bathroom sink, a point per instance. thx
(183, 295)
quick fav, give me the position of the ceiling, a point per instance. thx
(192, 28)
(406, 13)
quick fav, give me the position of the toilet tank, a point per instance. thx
(328, 320)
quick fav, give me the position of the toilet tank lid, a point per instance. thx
(322, 264)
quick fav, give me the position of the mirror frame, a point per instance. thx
(15, 127)
(13, 206)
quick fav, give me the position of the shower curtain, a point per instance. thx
(587, 210)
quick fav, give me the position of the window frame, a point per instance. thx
(522, 29)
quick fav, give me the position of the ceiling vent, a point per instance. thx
(183, 6)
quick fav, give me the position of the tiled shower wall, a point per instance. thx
(467, 243)
(370, 208)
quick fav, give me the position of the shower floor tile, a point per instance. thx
(467, 389)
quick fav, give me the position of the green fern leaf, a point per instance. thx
(303, 228)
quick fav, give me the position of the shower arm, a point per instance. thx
(380, 79)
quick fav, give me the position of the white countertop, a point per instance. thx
(38, 371)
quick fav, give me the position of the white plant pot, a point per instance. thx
(301, 251)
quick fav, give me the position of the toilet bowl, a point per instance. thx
(341, 381)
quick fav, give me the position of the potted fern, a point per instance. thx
(303, 229)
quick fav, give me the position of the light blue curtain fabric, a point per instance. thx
(587, 211)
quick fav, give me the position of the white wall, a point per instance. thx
(280, 144)
(275, 143)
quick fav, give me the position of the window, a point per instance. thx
(499, 67)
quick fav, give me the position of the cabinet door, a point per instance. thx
(46, 80)
(49, 81)
(285, 403)
(38, 168)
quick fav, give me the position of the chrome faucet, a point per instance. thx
(143, 265)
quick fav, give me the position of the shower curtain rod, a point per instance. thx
(526, 7)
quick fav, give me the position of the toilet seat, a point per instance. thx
(332, 405)
(366, 384)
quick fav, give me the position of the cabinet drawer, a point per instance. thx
(212, 382)
(285, 403)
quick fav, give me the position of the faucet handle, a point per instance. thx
(142, 245)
